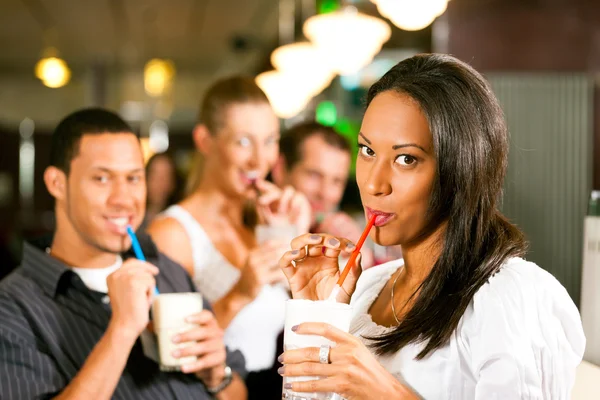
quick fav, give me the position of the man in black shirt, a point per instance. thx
(71, 316)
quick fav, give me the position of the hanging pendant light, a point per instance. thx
(287, 95)
(347, 39)
(411, 15)
(305, 62)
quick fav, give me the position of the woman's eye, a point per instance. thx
(244, 142)
(365, 150)
(406, 159)
(272, 141)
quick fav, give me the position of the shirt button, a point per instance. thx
(106, 299)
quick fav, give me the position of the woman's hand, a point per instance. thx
(340, 223)
(352, 371)
(261, 269)
(283, 206)
(312, 276)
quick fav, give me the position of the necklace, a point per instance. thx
(393, 308)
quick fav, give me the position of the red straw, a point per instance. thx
(354, 254)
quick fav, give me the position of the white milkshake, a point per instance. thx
(169, 312)
(299, 311)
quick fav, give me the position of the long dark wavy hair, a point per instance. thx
(470, 141)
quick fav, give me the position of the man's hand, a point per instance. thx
(130, 289)
(207, 345)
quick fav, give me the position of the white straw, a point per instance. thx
(334, 293)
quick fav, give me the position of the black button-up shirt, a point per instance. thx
(50, 322)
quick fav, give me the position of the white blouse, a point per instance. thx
(254, 330)
(521, 337)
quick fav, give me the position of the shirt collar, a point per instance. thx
(42, 268)
(48, 272)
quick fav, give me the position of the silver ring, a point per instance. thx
(293, 262)
(305, 255)
(324, 354)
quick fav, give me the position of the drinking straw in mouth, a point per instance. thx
(137, 249)
(255, 186)
(352, 260)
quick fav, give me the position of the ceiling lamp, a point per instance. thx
(287, 94)
(305, 62)
(411, 15)
(52, 70)
(158, 76)
(347, 39)
(440, 7)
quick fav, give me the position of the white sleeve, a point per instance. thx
(525, 336)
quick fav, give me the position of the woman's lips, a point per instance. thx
(381, 218)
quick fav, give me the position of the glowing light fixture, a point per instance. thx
(411, 15)
(305, 62)
(159, 136)
(52, 70)
(158, 76)
(287, 94)
(347, 38)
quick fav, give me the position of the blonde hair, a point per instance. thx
(224, 93)
(220, 95)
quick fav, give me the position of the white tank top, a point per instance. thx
(255, 328)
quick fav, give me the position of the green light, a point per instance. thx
(327, 6)
(349, 129)
(326, 113)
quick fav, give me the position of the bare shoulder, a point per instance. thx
(172, 239)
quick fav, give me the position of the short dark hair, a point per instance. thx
(470, 140)
(292, 141)
(88, 121)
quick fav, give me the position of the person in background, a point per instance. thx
(238, 138)
(315, 160)
(164, 185)
(73, 312)
(462, 315)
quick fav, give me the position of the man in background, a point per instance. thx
(315, 160)
(73, 312)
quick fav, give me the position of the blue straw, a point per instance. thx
(137, 249)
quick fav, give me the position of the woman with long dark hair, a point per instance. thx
(462, 316)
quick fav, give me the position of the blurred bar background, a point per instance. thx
(151, 61)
